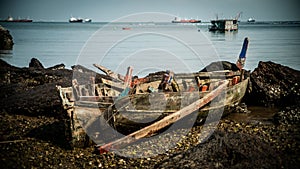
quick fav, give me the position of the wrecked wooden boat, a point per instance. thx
(222, 93)
(101, 105)
(125, 104)
(136, 111)
(164, 122)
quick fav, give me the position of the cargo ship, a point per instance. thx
(74, 20)
(179, 20)
(87, 20)
(11, 19)
(251, 20)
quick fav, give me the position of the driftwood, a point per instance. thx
(163, 122)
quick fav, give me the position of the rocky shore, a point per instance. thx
(33, 127)
(6, 40)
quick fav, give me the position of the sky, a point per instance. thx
(109, 10)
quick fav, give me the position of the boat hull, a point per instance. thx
(77, 21)
(141, 113)
(86, 109)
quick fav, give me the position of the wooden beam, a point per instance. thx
(215, 74)
(127, 82)
(122, 142)
(115, 85)
(110, 73)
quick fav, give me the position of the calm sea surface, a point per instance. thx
(150, 46)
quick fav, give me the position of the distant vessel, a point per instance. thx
(87, 20)
(179, 20)
(251, 20)
(225, 24)
(74, 20)
(11, 19)
(126, 28)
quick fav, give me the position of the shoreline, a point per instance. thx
(33, 134)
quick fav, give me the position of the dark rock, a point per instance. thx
(35, 64)
(57, 67)
(288, 115)
(227, 150)
(79, 71)
(31, 91)
(241, 108)
(6, 40)
(221, 65)
(38, 100)
(274, 85)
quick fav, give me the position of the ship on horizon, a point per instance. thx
(179, 20)
(73, 20)
(251, 19)
(79, 20)
(11, 19)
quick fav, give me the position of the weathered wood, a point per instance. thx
(202, 75)
(128, 76)
(114, 84)
(163, 122)
(216, 74)
(127, 82)
(191, 79)
(110, 73)
(107, 92)
(97, 98)
(93, 104)
(121, 85)
(154, 77)
(136, 111)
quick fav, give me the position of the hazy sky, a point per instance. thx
(108, 10)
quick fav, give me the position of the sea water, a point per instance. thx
(150, 46)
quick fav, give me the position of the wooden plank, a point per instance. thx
(122, 142)
(215, 74)
(127, 82)
(202, 75)
(115, 85)
(128, 77)
(110, 73)
(97, 98)
(93, 104)
(205, 77)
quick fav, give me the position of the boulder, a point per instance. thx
(6, 40)
(220, 65)
(35, 64)
(31, 91)
(274, 85)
